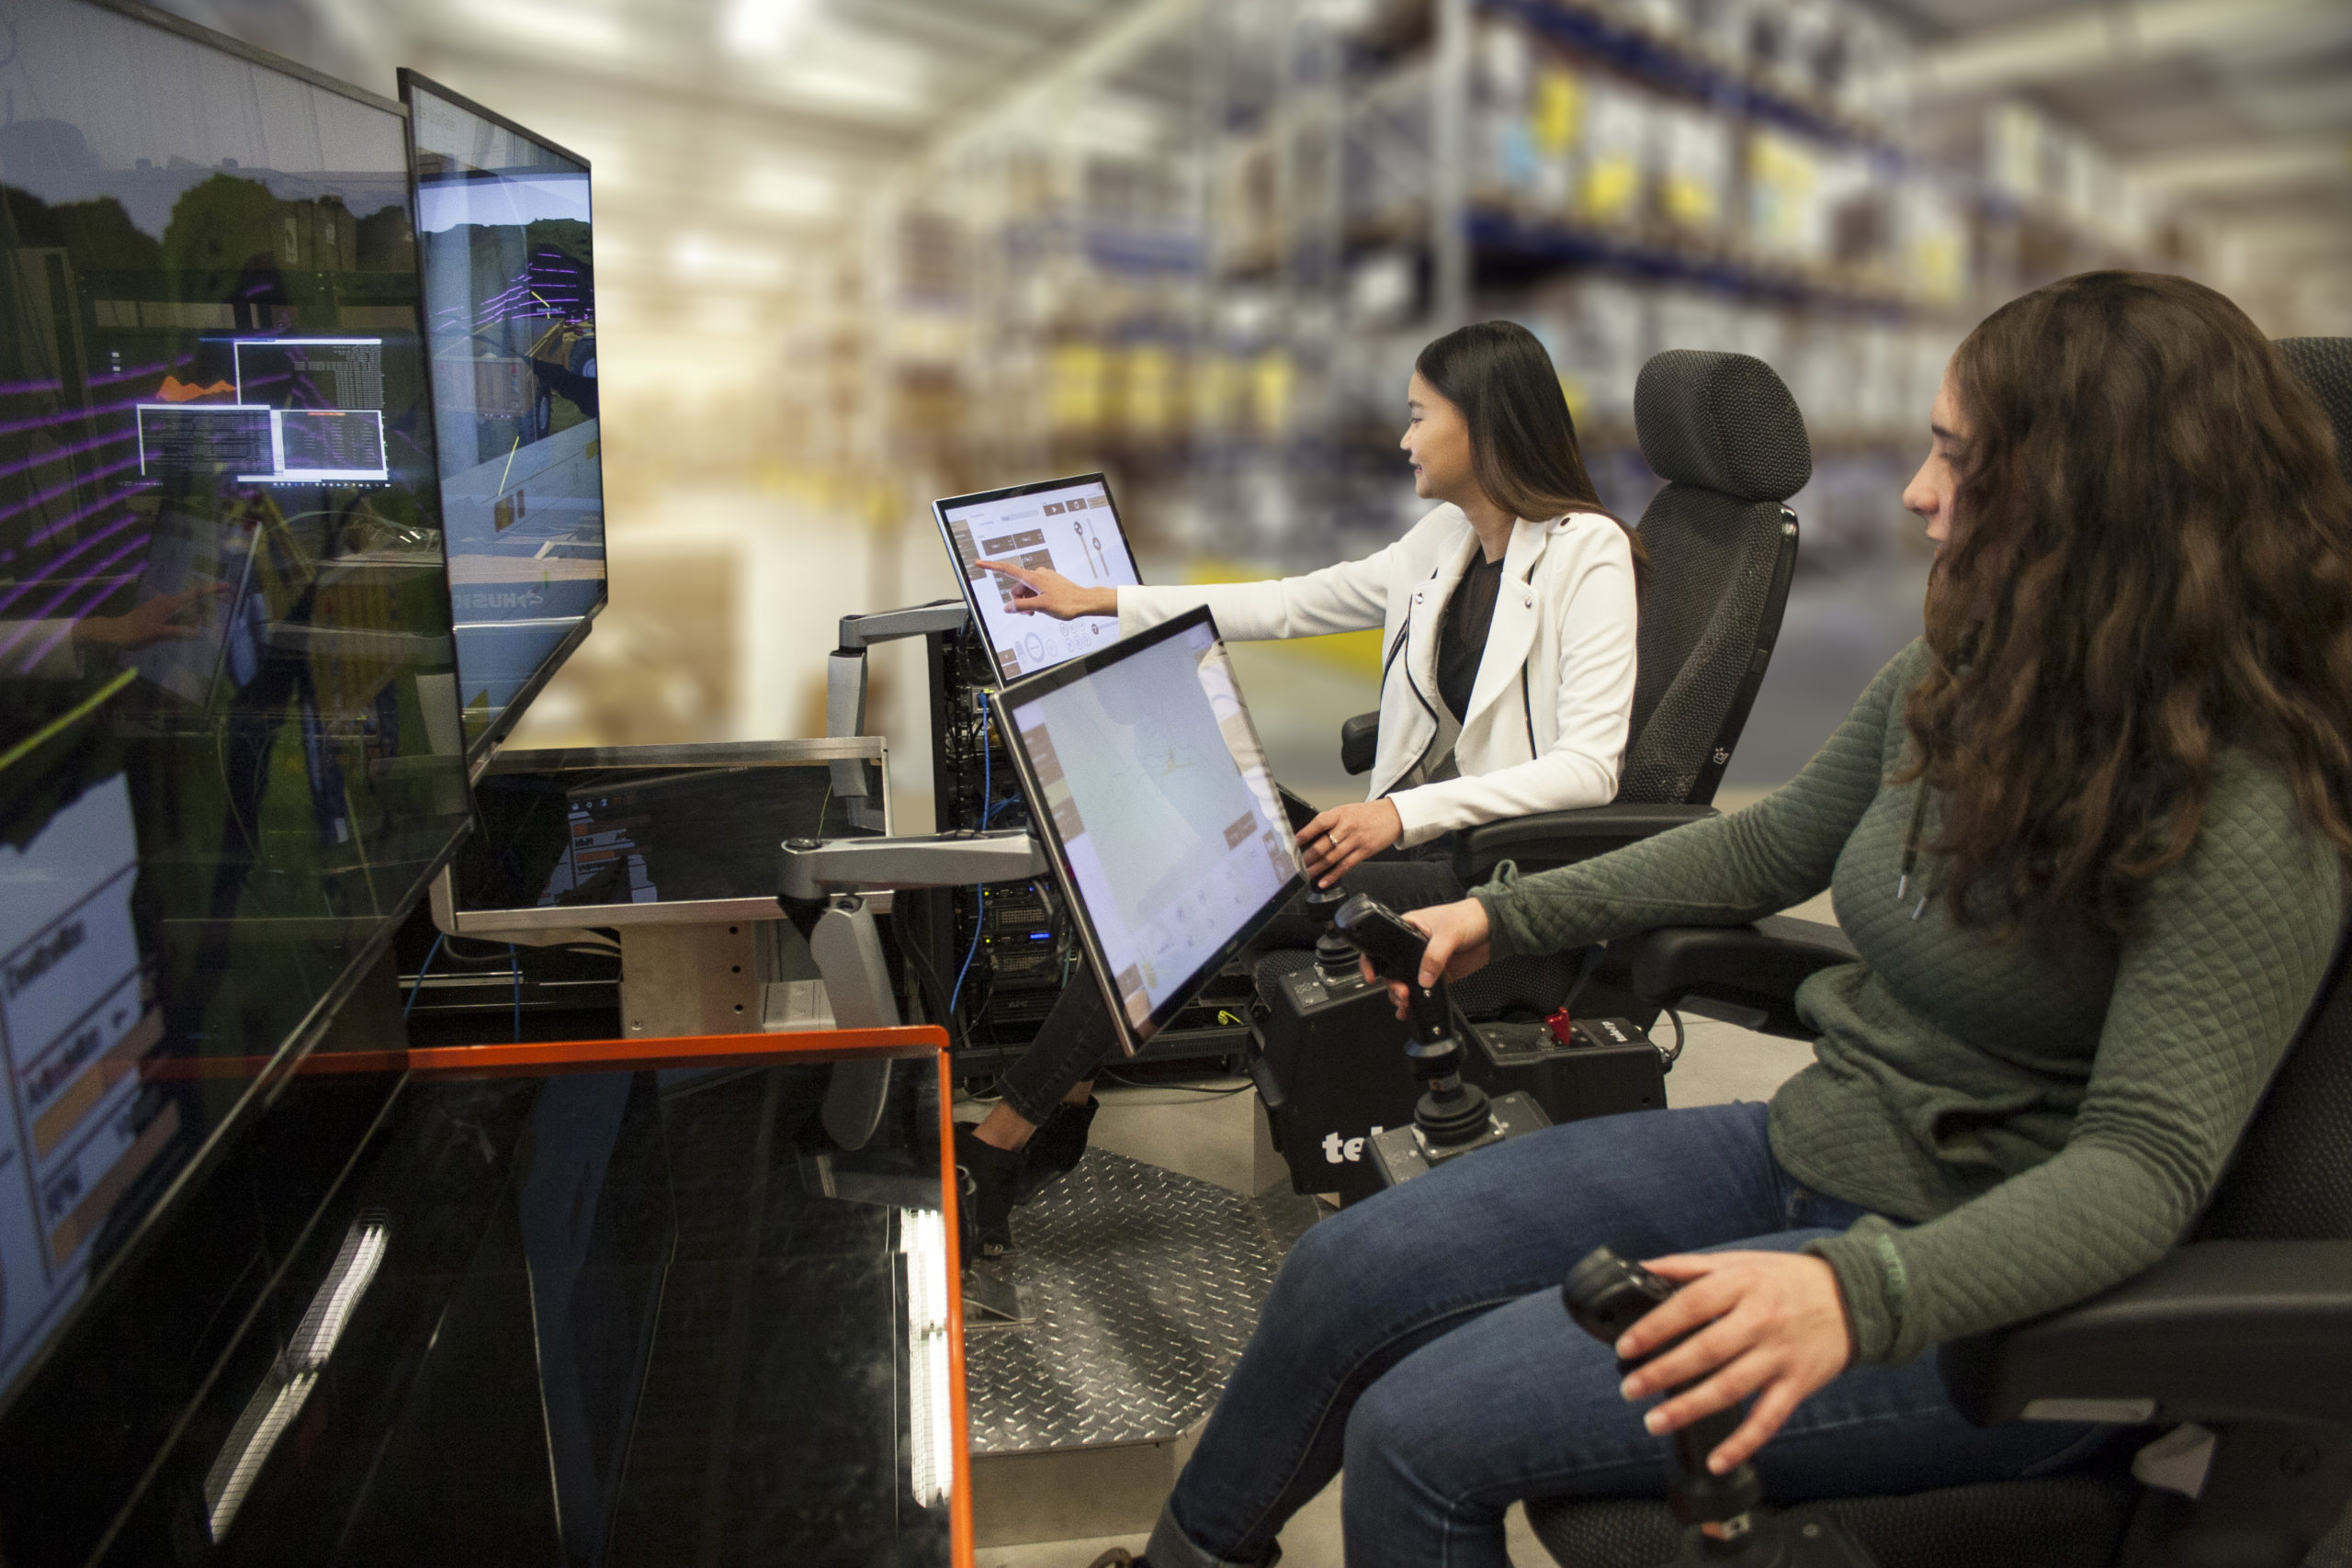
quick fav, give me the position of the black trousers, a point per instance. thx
(1076, 1039)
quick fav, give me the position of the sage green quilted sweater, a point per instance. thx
(2051, 1123)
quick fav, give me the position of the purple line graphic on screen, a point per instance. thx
(45, 497)
(30, 388)
(99, 588)
(72, 416)
(62, 523)
(60, 454)
(552, 284)
(137, 373)
(10, 599)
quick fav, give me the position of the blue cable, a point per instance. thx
(513, 958)
(418, 989)
(979, 913)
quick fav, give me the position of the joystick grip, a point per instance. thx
(1608, 1295)
(1382, 935)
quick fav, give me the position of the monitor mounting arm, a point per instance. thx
(821, 886)
(845, 685)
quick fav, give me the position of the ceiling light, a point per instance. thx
(703, 259)
(851, 89)
(545, 25)
(761, 29)
(789, 192)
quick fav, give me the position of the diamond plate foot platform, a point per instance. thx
(1146, 1286)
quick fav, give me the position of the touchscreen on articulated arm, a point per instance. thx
(1071, 528)
(1165, 812)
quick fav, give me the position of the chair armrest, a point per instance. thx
(1359, 742)
(2218, 1331)
(1770, 958)
(1549, 838)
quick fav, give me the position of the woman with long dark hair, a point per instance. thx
(2089, 837)
(1508, 621)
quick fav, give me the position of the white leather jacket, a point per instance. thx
(1548, 715)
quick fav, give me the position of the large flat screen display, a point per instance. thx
(229, 746)
(510, 308)
(1143, 768)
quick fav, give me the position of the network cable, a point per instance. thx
(980, 912)
(417, 989)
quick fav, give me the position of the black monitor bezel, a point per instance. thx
(251, 55)
(493, 735)
(964, 580)
(1132, 1040)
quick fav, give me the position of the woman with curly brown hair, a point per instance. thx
(2088, 836)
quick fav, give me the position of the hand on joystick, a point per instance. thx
(1458, 938)
(1768, 1324)
(1453, 1115)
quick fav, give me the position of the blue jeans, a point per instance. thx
(1418, 1339)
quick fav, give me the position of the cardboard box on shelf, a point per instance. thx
(1613, 155)
(1693, 152)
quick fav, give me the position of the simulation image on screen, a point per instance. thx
(1161, 797)
(510, 312)
(1072, 530)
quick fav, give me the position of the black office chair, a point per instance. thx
(2245, 1330)
(2326, 366)
(1724, 432)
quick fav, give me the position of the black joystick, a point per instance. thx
(1335, 955)
(1722, 1516)
(1452, 1112)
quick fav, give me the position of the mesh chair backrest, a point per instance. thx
(1724, 432)
(1711, 607)
(2326, 366)
(2290, 1178)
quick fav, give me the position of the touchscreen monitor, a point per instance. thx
(1068, 525)
(1168, 832)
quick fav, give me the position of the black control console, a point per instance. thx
(1454, 1116)
(1327, 1041)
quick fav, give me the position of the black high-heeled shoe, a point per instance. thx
(1054, 1150)
(987, 1185)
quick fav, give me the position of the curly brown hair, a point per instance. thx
(2152, 562)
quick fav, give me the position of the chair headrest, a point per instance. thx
(2325, 364)
(1723, 422)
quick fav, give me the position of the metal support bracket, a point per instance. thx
(993, 1303)
(697, 979)
(845, 681)
(821, 885)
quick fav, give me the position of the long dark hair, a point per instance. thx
(1523, 450)
(2152, 560)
